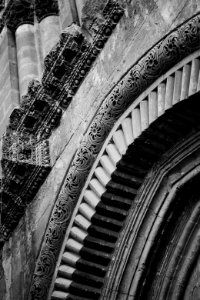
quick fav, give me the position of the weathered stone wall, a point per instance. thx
(143, 25)
(17, 264)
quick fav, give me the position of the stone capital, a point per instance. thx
(20, 12)
(45, 8)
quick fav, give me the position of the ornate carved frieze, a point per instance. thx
(64, 65)
(177, 45)
(25, 164)
(38, 113)
(25, 155)
(70, 60)
(44, 8)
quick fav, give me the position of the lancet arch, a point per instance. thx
(155, 120)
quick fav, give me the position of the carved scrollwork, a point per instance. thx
(25, 149)
(69, 61)
(177, 45)
(25, 164)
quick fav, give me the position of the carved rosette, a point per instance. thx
(172, 49)
(45, 8)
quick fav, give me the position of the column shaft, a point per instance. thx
(50, 33)
(26, 56)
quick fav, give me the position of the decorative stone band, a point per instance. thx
(65, 67)
(25, 165)
(42, 107)
(92, 210)
(172, 49)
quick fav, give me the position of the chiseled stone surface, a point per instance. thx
(18, 262)
(143, 25)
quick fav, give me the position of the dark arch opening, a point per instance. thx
(175, 125)
(164, 258)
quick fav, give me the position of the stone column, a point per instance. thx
(21, 22)
(50, 33)
(68, 13)
(9, 89)
(80, 4)
(47, 13)
(26, 56)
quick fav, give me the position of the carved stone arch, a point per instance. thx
(158, 251)
(113, 196)
(143, 86)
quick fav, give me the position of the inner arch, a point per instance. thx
(94, 236)
(158, 250)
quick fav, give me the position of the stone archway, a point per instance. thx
(186, 74)
(138, 140)
(158, 250)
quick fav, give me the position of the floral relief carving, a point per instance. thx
(169, 51)
(25, 148)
